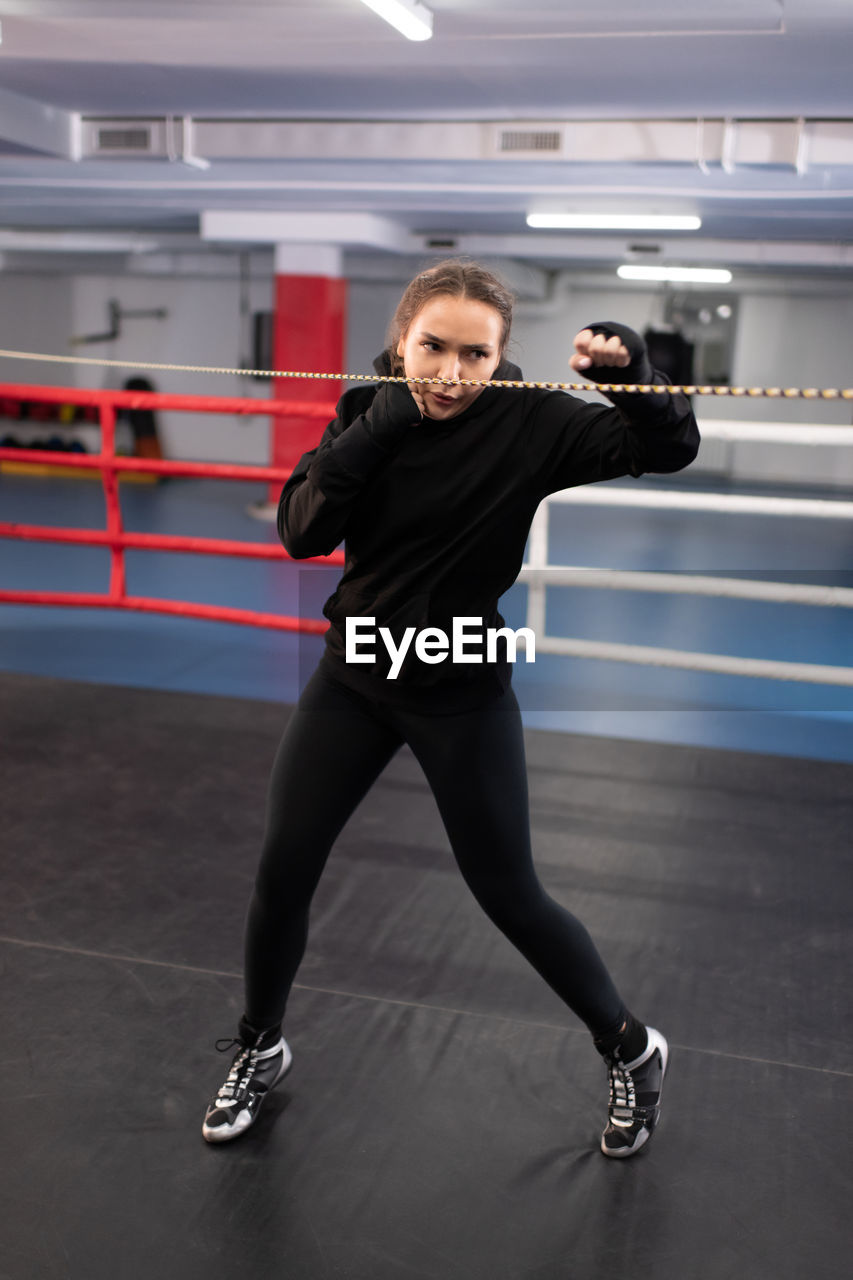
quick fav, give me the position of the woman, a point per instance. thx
(433, 487)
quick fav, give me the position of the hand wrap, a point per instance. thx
(639, 370)
(391, 414)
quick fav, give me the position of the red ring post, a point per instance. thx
(308, 333)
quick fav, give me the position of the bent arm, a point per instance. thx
(317, 499)
(572, 442)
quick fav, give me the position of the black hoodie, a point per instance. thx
(435, 515)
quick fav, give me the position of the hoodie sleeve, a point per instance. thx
(573, 442)
(317, 499)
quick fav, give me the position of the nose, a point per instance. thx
(450, 365)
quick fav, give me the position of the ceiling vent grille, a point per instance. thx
(136, 139)
(548, 140)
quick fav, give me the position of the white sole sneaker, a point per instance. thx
(634, 1106)
(253, 1074)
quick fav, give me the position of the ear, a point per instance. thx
(400, 346)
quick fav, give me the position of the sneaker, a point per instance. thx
(635, 1089)
(253, 1073)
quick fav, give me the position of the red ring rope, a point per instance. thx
(114, 536)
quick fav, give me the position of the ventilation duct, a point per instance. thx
(128, 139)
(115, 139)
(794, 144)
(530, 140)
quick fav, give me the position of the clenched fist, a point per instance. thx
(593, 349)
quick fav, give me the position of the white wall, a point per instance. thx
(793, 341)
(371, 307)
(203, 327)
(35, 315)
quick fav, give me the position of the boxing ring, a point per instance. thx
(442, 1115)
(538, 573)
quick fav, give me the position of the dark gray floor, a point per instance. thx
(442, 1115)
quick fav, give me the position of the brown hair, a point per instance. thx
(456, 278)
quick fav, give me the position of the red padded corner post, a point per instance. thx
(308, 336)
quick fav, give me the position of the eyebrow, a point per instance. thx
(468, 346)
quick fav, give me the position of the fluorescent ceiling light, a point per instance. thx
(411, 19)
(615, 221)
(677, 275)
(74, 242)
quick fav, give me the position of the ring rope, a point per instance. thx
(682, 660)
(756, 590)
(774, 393)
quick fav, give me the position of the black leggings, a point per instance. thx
(335, 746)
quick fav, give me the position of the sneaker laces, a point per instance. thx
(622, 1103)
(222, 1046)
(623, 1095)
(236, 1085)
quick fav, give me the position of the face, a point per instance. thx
(451, 338)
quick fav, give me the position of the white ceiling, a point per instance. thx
(774, 187)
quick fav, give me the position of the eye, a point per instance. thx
(479, 355)
(431, 346)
